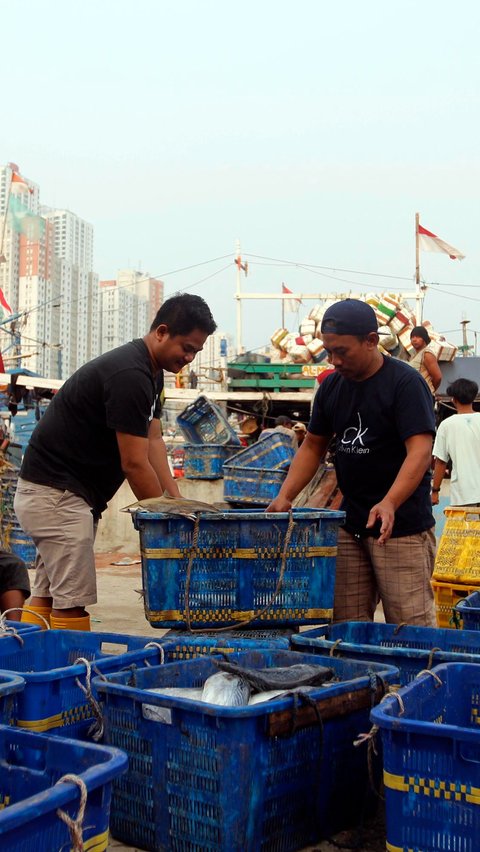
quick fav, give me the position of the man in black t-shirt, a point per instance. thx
(101, 427)
(380, 412)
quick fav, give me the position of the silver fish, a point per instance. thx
(191, 692)
(226, 689)
(260, 697)
(172, 505)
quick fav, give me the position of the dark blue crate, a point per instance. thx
(10, 685)
(408, 647)
(251, 485)
(185, 646)
(203, 422)
(273, 452)
(235, 570)
(205, 461)
(468, 610)
(52, 700)
(229, 779)
(431, 757)
(30, 768)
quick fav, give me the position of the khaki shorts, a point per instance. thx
(63, 530)
(398, 574)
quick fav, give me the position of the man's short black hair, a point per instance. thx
(283, 420)
(183, 313)
(464, 390)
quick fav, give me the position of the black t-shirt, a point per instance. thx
(371, 420)
(74, 445)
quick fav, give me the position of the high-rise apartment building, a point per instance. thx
(128, 305)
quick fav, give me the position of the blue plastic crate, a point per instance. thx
(203, 422)
(468, 610)
(10, 626)
(52, 700)
(251, 485)
(273, 452)
(205, 461)
(238, 779)
(10, 685)
(185, 646)
(408, 647)
(236, 567)
(30, 767)
(431, 757)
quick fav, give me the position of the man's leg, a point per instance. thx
(62, 528)
(403, 569)
(356, 595)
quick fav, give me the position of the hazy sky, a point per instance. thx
(311, 131)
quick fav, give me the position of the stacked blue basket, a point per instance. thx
(431, 752)
(205, 461)
(203, 422)
(241, 567)
(54, 698)
(276, 775)
(14, 539)
(468, 609)
(408, 647)
(255, 475)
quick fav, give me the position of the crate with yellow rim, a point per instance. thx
(447, 595)
(458, 554)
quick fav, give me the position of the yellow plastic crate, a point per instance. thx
(446, 596)
(458, 555)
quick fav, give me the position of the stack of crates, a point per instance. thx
(457, 565)
(253, 477)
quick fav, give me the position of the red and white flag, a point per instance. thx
(291, 304)
(19, 183)
(4, 306)
(430, 242)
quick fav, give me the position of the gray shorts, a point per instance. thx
(63, 530)
(13, 574)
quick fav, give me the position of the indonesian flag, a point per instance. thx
(19, 183)
(291, 304)
(4, 304)
(430, 242)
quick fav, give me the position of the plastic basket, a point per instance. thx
(205, 461)
(237, 778)
(30, 767)
(203, 422)
(468, 610)
(447, 595)
(182, 646)
(408, 647)
(431, 756)
(10, 685)
(251, 485)
(458, 554)
(9, 627)
(52, 699)
(234, 573)
(273, 452)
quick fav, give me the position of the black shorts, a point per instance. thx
(13, 574)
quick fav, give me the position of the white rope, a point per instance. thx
(75, 826)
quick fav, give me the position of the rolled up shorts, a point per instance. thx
(63, 530)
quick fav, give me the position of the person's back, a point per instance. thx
(458, 440)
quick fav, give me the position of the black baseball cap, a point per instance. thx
(350, 316)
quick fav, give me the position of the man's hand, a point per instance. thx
(280, 504)
(384, 512)
(435, 498)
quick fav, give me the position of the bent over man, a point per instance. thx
(380, 412)
(101, 427)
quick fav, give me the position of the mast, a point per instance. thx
(3, 259)
(418, 289)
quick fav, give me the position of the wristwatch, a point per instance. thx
(435, 490)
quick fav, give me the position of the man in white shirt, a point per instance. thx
(458, 439)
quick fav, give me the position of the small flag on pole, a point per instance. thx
(430, 242)
(4, 306)
(291, 304)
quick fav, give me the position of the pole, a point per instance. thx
(238, 261)
(465, 346)
(3, 259)
(283, 310)
(418, 295)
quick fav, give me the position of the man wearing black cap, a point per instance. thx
(379, 411)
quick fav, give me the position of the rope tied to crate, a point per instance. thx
(243, 622)
(96, 729)
(439, 681)
(430, 657)
(334, 647)
(75, 826)
(9, 629)
(27, 609)
(399, 627)
(160, 648)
